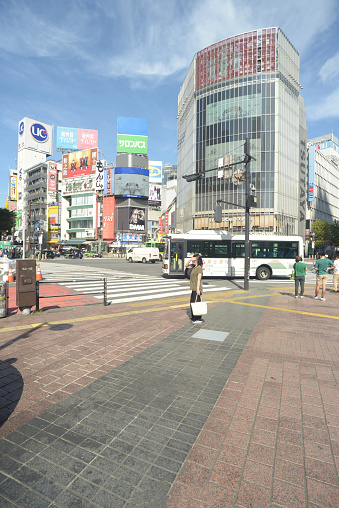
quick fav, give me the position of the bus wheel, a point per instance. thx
(263, 273)
(144, 260)
(130, 260)
(160, 257)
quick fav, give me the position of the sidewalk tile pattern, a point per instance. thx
(122, 439)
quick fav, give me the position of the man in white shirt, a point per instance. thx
(336, 273)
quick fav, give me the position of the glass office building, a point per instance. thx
(243, 87)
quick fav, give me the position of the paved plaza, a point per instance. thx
(131, 405)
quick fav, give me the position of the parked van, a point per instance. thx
(143, 254)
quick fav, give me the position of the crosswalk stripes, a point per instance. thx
(122, 287)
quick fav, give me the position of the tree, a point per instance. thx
(322, 233)
(335, 233)
(7, 220)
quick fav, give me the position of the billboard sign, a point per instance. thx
(137, 219)
(154, 198)
(13, 188)
(131, 219)
(249, 53)
(99, 175)
(52, 176)
(131, 182)
(79, 163)
(108, 218)
(80, 184)
(67, 138)
(155, 171)
(70, 138)
(132, 135)
(35, 136)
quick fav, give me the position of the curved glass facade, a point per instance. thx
(244, 87)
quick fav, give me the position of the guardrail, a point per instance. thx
(103, 292)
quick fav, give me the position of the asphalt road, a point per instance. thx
(121, 264)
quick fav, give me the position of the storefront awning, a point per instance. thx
(70, 242)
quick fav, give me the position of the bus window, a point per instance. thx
(193, 247)
(222, 249)
(238, 249)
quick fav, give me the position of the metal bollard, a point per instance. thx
(3, 299)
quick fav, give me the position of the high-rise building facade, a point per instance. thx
(246, 86)
(323, 180)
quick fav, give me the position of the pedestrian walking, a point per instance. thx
(336, 273)
(300, 270)
(195, 283)
(322, 266)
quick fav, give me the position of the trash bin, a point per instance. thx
(25, 284)
(3, 299)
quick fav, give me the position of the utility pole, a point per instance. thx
(247, 215)
(250, 201)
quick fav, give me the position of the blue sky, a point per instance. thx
(83, 63)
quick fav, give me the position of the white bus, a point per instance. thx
(224, 254)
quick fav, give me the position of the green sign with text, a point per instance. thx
(132, 144)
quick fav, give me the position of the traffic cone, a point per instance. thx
(10, 275)
(38, 274)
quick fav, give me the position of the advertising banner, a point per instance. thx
(79, 163)
(99, 175)
(134, 126)
(131, 182)
(67, 138)
(35, 136)
(87, 139)
(13, 188)
(241, 55)
(52, 176)
(53, 223)
(70, 138)
(108, 181)
(132, 135)
(80, 184)
(166, 223)
(155, 172)
(132, 144)
(311, 172)
(108, 231)
(137, 219)
(154, 198)
(160, 225)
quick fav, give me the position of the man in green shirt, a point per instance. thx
(322, 266)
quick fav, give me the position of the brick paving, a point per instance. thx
(52, 296)
(123, 407)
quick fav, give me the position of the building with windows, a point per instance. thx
(246, 86)
(323, 180)
(169, 172)
(41, 204)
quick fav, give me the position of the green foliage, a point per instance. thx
(7, 220)
(322, 233)
(335, 233)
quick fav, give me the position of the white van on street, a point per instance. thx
(143, 254)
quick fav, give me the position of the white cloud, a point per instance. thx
(147, 39)
(330, 69)
(325, 107)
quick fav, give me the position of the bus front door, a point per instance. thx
(177, 258)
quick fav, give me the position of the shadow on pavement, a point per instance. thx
(11, 386)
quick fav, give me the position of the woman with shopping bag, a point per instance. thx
(195, 284)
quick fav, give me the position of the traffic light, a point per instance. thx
(218, 213)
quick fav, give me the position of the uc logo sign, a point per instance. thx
(21, 128)
(39, 132)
